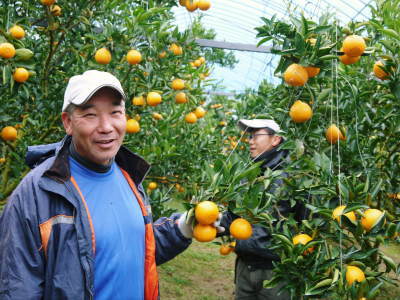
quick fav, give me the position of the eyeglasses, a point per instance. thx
(252, 136)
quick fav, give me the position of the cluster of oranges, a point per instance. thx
(296, 75)
(198, 62)
(192, 5)
(198, 113)
(54, 9)
(371, 216)
(174, 48)
(353, 47)
(353, 273)
(8, 51)
(206, 213)
(103, 56)
(134, 57)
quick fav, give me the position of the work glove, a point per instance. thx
(226, 220)
(186, 221)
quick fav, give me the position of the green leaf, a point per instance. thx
(373, 292)
(319, 288)
(376, 188)
(273, 282)
(390, 264)
(249, 173)
(264, 40)
(359, 255)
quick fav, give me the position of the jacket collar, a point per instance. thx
(273, 159)
(135, 165)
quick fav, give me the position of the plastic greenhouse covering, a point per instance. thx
(235, 21)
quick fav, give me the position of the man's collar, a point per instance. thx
(132, 163)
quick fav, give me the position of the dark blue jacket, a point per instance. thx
(46, 198)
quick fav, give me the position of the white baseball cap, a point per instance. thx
(81, 88)
(258, 124)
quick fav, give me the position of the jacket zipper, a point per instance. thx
(84, 261)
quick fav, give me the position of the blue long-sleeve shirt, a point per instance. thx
(119, 230)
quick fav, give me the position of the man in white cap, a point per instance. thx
(79, 225)
(254, 259)
(264, 136)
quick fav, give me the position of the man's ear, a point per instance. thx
(67, 122)
(276, 140)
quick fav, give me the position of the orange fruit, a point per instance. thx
(157, 116)
(202, 59)
(152, 185)
(132, 126)
(295, 75)
(232, 245)
(378, 71)
(338, 211)
(225, 249)
(354, 45)
(312, 71)
(240, 229)
(204, 233)
(191, 5)
(21, 75)
(206, 212)
(56, 11)
(348, 60)
(9, 133)
(48, 2)
(2, 160)
(179, 51)
(178, 84)
(222, 123)
(199, 112)
(354, 273)
(303, 239)
(17, 32)
(175, 49)
(204, 4)
(180, 98)
(7, 50)
(191, 118)
(179, 188)
(138, 101)
(102, 56)
(300, 112)
(153, 98)
(197, 63)
(134, 57)
(333, 134)
(182, 2)
(162, 54)
(311, 41)
(371, 218)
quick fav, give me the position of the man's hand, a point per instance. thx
(186, 221)
(225, 221)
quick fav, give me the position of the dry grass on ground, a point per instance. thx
(199, 273)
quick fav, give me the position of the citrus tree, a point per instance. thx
(336, 106)
(162, 70)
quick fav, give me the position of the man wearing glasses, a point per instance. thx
(254, 259)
